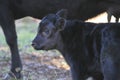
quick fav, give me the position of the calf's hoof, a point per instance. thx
(12, 76)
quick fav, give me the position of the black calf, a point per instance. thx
(89, 49)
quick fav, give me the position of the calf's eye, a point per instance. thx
(45, 33)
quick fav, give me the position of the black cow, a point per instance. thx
(89, 49)
(11, 10)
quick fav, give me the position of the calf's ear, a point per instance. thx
(62, 13)
(60, 23)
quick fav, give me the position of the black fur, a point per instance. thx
(90, 49)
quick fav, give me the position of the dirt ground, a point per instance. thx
(39, 67)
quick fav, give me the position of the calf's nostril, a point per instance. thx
(33, 44)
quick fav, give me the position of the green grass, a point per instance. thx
(2, 39)
(26, 30)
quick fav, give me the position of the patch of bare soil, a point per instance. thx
(39, 67)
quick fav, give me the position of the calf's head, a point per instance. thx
(48, 31)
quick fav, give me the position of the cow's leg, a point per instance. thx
(109, 17)
(117, 20)
(8, 26)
